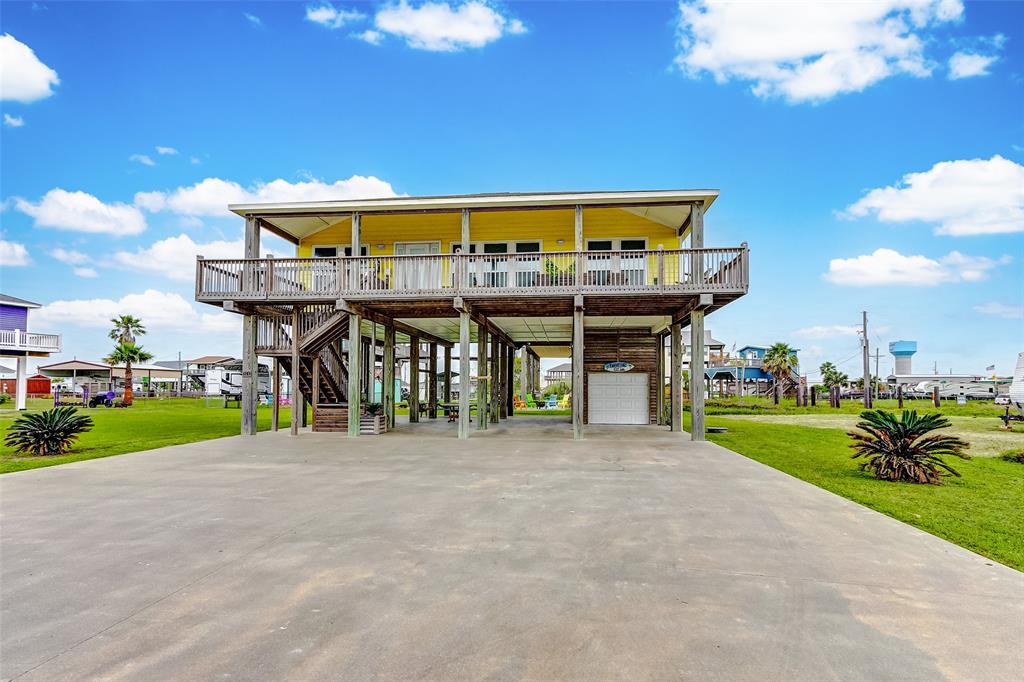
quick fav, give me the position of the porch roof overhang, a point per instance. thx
(295, 221)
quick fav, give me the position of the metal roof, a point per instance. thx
(297, 220)
(19, 302)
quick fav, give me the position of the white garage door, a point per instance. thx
(617, 398)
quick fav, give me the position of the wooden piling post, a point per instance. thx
(355, 346)
(577, 362)
(275, 409)
(387, 384)
(676, 379)
(295, 371)
(432, 388)
(481, 382)
(414, 379)
(464, 372)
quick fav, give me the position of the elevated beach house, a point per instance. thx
(607, 279)
(16, 341)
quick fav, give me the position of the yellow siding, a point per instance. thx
(488, 226)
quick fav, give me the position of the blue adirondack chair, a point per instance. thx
(551, 403)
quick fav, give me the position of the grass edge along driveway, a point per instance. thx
(980, 511)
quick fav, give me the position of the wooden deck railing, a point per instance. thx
(322, 279)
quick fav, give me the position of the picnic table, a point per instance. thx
(451, 410)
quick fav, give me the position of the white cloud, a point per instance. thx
(194, 160)
(440, 27)
(827, 331)
(143, 159)
(1007, 312)
(966, 65)
(969, 197)
(69, 256)
(23, 78)
(13, 254)
(85, 272)
(175, 257)
(808, 51)
(165, 151)
(13, 121)
(888, 267)
(331, 17)
(159, 311)
(370, 36)
(211, 196)
(253, 19)
(82, 212)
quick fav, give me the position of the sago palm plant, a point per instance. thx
(47, 433)
(899, 449)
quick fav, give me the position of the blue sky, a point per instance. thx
(809, 122)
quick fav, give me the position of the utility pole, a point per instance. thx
(877, 356)
(867, 364)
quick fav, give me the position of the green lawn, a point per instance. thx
(147, 424)
(754, 405)
(980, 511)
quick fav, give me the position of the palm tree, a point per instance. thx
(126, 354)
(780, 361)
(895, 450)
(125, 328)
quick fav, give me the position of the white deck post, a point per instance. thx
(21, 382)
(577, 368)
(697, 375)
(464, 371)
(676, 380)
(355, 375)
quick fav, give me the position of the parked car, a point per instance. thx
(1003, 399)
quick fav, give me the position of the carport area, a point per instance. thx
(635, 554)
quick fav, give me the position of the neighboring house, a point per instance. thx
(16, 341)
(558, 374)
(602, 276)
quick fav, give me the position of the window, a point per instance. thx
(362, 251)
(325, 251)
(527, 268)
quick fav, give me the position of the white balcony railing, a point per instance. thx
(15, 339)
(663, 270)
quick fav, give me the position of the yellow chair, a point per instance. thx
(565, 402)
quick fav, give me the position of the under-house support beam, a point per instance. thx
(355, 347)
(676, 378)
(414, 379)
(296, 385)
(432, 386)
(387, 388)
(275, 408)
(446, 387)
(464, 371)
(697, 374)
(577, 367)
(481, 381)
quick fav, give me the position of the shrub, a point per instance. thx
(5, 398)
(1014, 456)
(897, 449)
(47, 433)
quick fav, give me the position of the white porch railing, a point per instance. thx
(653, 271)
(15, 339)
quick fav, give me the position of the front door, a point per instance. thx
(422, 272)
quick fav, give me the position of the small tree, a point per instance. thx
(47, 433)
(897, 449)
(127, 354)
(126, 328)
(779, 361)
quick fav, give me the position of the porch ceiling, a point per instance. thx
(297, 220)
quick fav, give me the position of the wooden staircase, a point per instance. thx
(320, 327)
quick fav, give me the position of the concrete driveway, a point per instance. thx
(516, 555)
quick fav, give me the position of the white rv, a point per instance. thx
(1017, 387)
